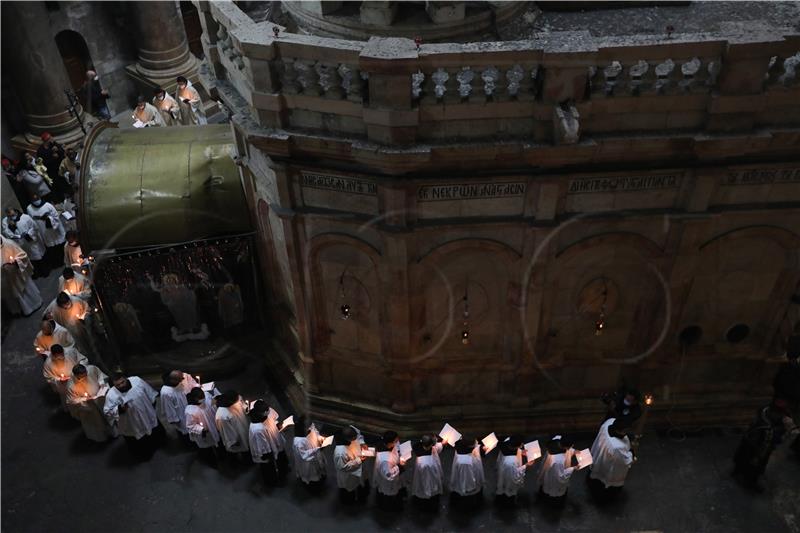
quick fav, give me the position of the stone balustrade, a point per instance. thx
(557, 89)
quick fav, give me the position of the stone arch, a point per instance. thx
(489, 245)
(617, 238)
(76, 57)
(781, 235)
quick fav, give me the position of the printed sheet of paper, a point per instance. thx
(450, 434)
(208, 387)
(532, 450)
(289, 421)
(404, 450)
(490, 441)
(584, 458)
(369, 452)
(327, 441)
(138, 124)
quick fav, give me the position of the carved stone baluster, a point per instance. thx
(416, 84)
(610, 75)
(307, 77)
(689, 71)
(288, 76)
(713, 69)
(790, 66)
(514, 76)
(533, 90)
(440, 78)
(329, 80)
(636, 76)
(490, 76)
(566, 124)
(465, 77)
(664, 71)
(351, 82)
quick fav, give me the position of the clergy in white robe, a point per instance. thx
(85, 396)
(57, 368)
(19, 292)
(146, 115)
(557, 469)
(50, 334)
(511, 469)
(348, 464)
(129, 408)
(388, 472)
(71, 313)
(309, 460)
(171, 404)
(200, 413)
(73, 255)
(167, 106)
(428, 477)
(22, 229)
(262, 445)
(34, 183)
(74, 284)
(466, 474)
(48, 221)
(612, 455)
(189, 102)
(232, 422)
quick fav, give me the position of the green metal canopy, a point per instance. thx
(155, 186)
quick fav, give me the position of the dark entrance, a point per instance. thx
(76, 58)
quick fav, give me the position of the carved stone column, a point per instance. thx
(162, 45)
(35, 70)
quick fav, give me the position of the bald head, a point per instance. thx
(90, 74)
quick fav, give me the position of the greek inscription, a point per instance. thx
(470, 191)
(338, 183)
(624, 183)
(762, 176)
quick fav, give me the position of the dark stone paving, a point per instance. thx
(55, 480)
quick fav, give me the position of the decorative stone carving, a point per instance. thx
(663, 72)
(440, 78)
(566, 124)
(611, 73)
(790, 65)
(689, 71)
(490, 77)
(636, 75)
(465, 78)
(351, 82)
(307, 77)
(416, 83)
(514, 76)
(329, 80)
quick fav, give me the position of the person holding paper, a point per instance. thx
(388, 473)
(73, 255)
(309, 461)
(466, 474)
(172, 402)
(428, 478)
(557, 471)
(129, 407)
(85, 396)
(24, 232)
(232, 422)
(167, 106)
(262, 449)
(613, 457)
(190, 104)
(511, 470)
(57, 368)
(75, 283)
(50, 227)
(20, 294)
(50, 334)
(349, 470)
(200, 423)
(146, 115)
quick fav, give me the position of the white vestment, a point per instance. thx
(72, 256)
(347, 461)
(26, 235)
(428, 478)
(78, 286)
(72, 318)
(171, 404)
(233, 427)
(149, 116)
(387, 472)
(466, 475)
(200, 418)
(510, 474)
(19, 292)
(58, 371)
(34, 183)
(85, 400)
(54, 235)
(169, 109)
(309, 461)
(191, 113)
(612, 457)
(42, 342)
(261, 443)
(555, 475)
(140, 417)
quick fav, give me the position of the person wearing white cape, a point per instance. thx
(557, 471)
(22, 229)
(349, 468)
(71, 312)
(466, 474)
(171, 404)
(264, 447)
(57, 368)
(85, 396)
(232, 422)
(511, 469)
(388, 474)
(309, 460)
(50, 334)
(49, 223)
(75, 284)
(612, 458)
(427, 482)
(129, 409)
(200, 423)
(19, 292)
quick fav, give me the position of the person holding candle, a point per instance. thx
(85, 395)
(23, 231)
(73, 255)
(200, 413)
(57, 368)
(263, 448)
(71, 312)
(171, 404)
(613, 456)
(50, 227)
(50, 334)
(146, 115)
(309, 461)
(512, 465)
(557, 471)
(427, 482)
(167, 106)
(466, 474)
(75, 284)
(129, 408)
(191, 106)
(388, 474)
(232, 423)
(349, 469)
(19, 292)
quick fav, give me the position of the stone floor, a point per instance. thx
(54, 480)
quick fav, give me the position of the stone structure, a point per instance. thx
(521, 193)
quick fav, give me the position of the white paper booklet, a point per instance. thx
(584, 458)
(490, 441)
(449, 434)
(404, 450)
(532, 450)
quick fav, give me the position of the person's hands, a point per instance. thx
(123, 408)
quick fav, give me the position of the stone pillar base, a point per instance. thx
(147, 79)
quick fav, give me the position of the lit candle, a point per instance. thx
(648, 399)
(62, 377)
(85, 394)
(198, 379)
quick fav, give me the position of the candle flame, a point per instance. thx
(648, 399)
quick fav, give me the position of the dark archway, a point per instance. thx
(194, 30)
(76, 58)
